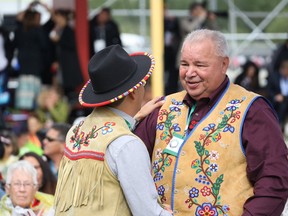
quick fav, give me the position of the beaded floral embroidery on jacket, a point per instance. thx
(205, 165)
(165, 125)
(80, 138)
(166, 117)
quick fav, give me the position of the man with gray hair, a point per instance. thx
(22, 197)
(216, 148)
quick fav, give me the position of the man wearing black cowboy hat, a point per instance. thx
(105, 169)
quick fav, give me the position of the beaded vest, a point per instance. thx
(86, 185)
(207, 175)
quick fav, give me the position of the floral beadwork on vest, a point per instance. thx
(203, 191)
(206, 163)
(166, 117)
(165, 125)
(84, 172)
(80, 138)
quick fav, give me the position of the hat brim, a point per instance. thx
(146, 64)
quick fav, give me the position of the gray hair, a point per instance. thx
(221, 45)
(23, 166)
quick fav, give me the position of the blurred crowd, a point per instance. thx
(43, 60)
(36, 115)
(40, 80)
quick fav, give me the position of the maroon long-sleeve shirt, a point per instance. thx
(265, 150)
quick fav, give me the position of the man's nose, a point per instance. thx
(192, 71)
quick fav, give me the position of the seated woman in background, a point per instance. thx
(53, 107)
(249, 77)
(46, 180)
(22, 197)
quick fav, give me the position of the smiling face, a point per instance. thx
(22, 189)
(201, 70)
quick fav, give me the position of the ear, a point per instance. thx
(225, 64)
(62, 147)
(37, 187)
(7, 189)
(35, 190)
(132, 95)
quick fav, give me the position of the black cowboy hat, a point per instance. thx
(114, 74)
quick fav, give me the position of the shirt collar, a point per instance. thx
(125, 116)
(211, 99)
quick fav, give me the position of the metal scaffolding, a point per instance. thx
(239, 42)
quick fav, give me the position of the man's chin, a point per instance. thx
(195, 95)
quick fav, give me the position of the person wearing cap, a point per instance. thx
(216, 148)
(105, 169)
